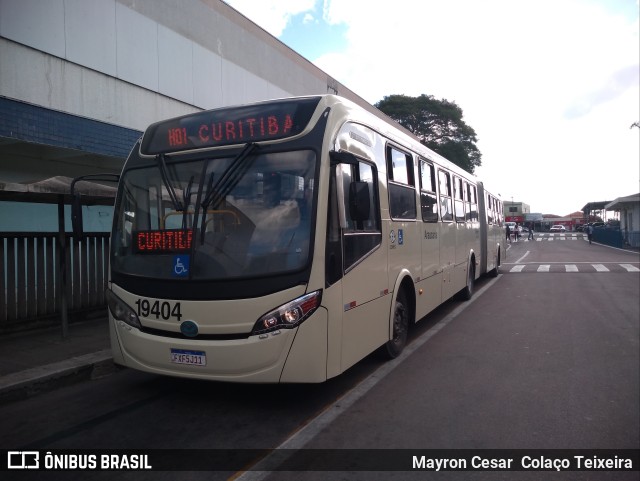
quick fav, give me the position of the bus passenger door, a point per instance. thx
(448, 234)
(361, 271)
(430, 285)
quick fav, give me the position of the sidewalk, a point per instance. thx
(40, 361)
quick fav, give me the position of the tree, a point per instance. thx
(438, 124)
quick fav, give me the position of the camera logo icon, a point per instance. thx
(23, 460)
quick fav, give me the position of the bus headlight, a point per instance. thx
(289, 315)
(121, 311)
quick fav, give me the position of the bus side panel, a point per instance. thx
(447, 258)
(463, 246)
(366, 304)
(428, 297)
(431, 278)
(405, 246)
(332, 301)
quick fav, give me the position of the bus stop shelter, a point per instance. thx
(46, 275)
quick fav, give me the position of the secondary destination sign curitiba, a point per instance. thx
(162, 241)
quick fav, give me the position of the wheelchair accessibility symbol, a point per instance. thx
(181, 266)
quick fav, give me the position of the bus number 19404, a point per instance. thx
(161, 310)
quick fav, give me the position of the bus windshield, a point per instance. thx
(215, 218)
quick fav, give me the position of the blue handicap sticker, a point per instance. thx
(400, 237)
(180, 266)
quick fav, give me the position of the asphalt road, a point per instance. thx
(541, 358)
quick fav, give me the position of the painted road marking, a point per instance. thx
(577, 267)
(630, 268)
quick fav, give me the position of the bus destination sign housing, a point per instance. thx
(227, 126)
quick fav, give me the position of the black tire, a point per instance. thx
(395, 345)
(495, 271)
(467, 292)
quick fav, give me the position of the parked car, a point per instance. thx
(558, 228)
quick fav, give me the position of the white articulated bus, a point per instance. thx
(284, 241)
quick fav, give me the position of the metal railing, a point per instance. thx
(632, 239)
(608, 236)
(616, 237)
(34, 274)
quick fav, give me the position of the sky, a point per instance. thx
(551, 87)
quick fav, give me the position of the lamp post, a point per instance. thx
(511, 211)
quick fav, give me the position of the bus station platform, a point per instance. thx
(39, 361)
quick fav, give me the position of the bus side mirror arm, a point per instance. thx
(342, 158)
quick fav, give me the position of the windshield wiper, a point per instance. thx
(186, 196)
(230, 178)
(167, 183)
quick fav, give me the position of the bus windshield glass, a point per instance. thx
(241, 216)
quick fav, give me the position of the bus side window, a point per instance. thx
(473, 203)
(459, 199)
(490, 208)
(472, 207)
(446, 209)
(363, 235)
(402, 195)
(428, 197)
(347, 246)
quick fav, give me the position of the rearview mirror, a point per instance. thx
(76, 200)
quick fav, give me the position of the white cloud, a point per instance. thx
(618, 83)
(272, 15)
(550, 86)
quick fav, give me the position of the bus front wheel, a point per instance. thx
(400, 320)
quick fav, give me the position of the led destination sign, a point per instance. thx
(162, 241)
(253, 123)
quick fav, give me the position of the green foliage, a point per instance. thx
(438, 124)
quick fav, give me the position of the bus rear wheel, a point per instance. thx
(494, 272)
(467, 292)
(396, 344)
